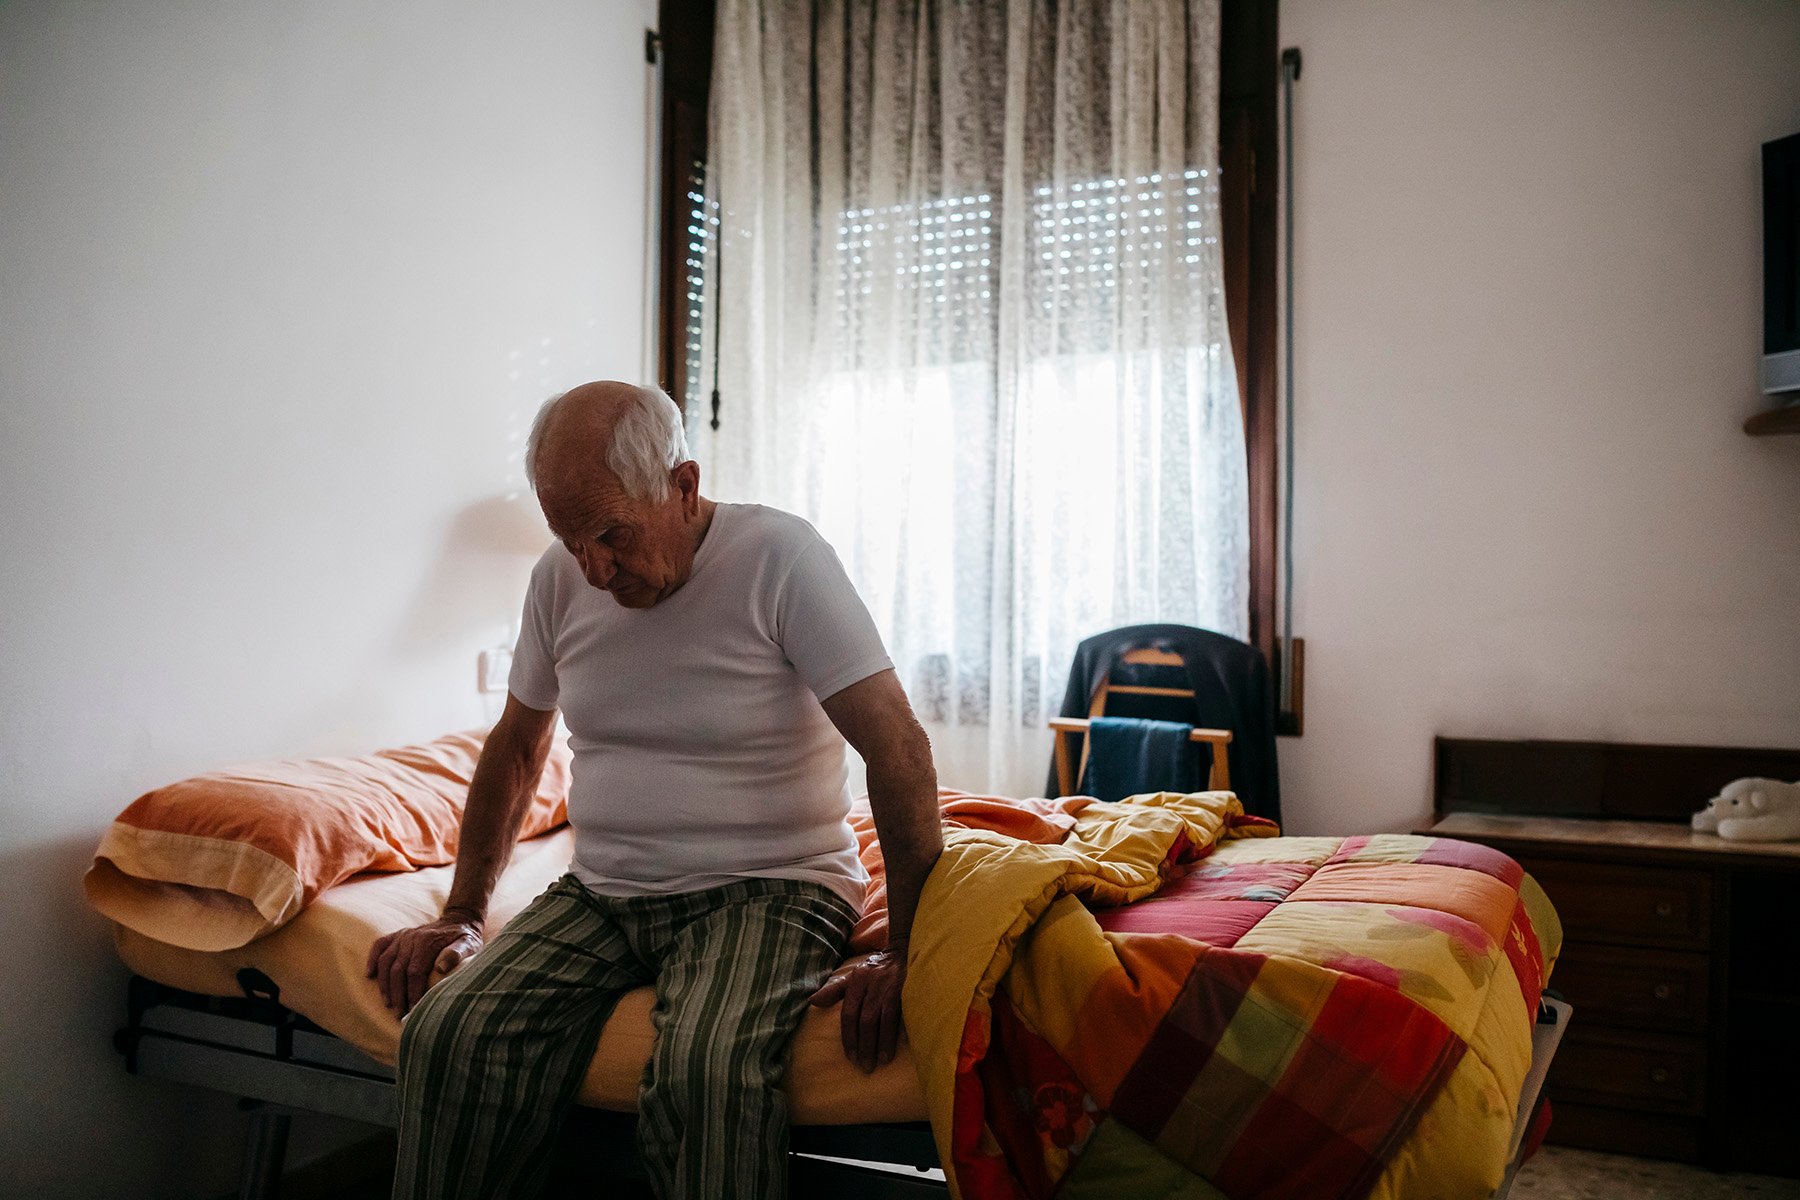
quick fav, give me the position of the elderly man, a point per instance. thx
(706, 658)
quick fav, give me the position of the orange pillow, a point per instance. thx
(218, 860)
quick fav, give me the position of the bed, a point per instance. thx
(289, 1022)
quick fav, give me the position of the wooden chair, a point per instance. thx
(1067, 729)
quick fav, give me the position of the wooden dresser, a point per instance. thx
(1681, 950)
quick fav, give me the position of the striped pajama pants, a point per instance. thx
(492, 1057)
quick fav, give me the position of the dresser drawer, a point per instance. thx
(1647, 1072)
(1633, 987)
(1645, 906)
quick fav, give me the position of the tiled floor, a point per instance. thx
(1559, 1174)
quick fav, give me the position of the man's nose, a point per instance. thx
(596, 563)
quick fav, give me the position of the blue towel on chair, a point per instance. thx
(1127, 755)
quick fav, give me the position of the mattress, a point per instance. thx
(319, 962)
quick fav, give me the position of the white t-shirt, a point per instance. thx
(702, 755)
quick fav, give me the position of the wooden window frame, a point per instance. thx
(1249, 184)
(1249, 156)
(683, 40)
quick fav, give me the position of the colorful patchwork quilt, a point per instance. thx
(1173, 1001)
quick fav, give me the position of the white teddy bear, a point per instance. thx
(1753, 810)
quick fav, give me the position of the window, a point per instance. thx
(1077, 229)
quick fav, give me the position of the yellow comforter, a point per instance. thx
(1273, 1016)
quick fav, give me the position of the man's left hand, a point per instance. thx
(870, 992)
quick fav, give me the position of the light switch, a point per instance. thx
(491, 669)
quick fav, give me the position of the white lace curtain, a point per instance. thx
(973, 328)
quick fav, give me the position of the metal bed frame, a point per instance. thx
(281, 1065)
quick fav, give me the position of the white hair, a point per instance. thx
(647, 442)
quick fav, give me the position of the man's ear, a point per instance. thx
(686, 477)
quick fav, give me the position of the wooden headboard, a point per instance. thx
(1618, 780)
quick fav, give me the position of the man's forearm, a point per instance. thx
(907, 870)
(506, 778)
(903, 799)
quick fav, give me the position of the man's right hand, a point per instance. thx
(403, 963)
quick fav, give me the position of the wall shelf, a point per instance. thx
(1776, 420)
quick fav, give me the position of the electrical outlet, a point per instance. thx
(491, 669)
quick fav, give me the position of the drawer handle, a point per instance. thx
(1659, 1075)
(1665, 908)
(1660, 991)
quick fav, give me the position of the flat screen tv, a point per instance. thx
(1781, 266)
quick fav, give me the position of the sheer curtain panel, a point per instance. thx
(972, 326)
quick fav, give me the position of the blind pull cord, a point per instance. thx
(718, 297)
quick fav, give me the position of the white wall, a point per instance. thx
(281, 284)
(1529, 315)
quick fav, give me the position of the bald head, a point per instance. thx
(632, 433)
(610, 466)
